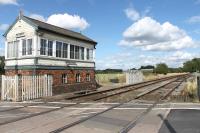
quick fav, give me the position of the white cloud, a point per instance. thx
(194, 19)
(181, 56)
(132, 14)
(38, 17)
(66, 21)
(126, 59)
(173, 59)
(150, 35)
(8, 2)
(4, 27)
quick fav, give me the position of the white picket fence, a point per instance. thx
(23, 88)
(0, 82)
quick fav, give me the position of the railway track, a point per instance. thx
(130, 88)
(177, 82)
(96, 96)
(157, 101)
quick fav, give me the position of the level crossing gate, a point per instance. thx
(23, 88)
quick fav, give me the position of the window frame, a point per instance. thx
(50, 49)
(24, 48)
(77, 52)
(88, 54)
(59, 49)
(64, 78)
(29, 50)
(47, 50)
(88, 77)
(78, 78)
(65, 50)
(82, 53)
(72, 56)
(12, 49)
(62, 50)
(43, 47)
(25, 51)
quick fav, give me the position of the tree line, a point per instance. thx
(161, 68)
(188, 66)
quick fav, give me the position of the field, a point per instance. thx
(120, 78)
(110, 78)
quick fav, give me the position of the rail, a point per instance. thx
(115, 106)
(124, 87)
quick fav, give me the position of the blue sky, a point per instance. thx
(130, 33)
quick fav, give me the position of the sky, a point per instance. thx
(130, 33)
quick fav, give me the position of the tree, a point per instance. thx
(161, 68)
(133, 69)
(110, 71)
(175, 70)
(147, 67)
(2, 64)
(192, 65)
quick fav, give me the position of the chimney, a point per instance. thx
(21, 14)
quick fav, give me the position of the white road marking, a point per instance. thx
(85, 108)
(81, 116)
(10, 106)
(22, 102)
(135, 108)
(61, 103)
(48, 107)
(87, 113)
(100, 103)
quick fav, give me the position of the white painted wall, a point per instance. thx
(19, 62)
(21, 27)
(29, 31)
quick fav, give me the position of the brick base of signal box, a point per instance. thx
(58, 86)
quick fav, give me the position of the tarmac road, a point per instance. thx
(181, 121)
(164, 118)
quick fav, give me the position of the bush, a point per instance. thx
(161, 68)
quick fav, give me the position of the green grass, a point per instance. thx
(106, 78)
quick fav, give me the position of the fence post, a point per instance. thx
(50, 78)
(45, 85)
(2, 87)
(19, 88)
(198, 87)
(16, 88)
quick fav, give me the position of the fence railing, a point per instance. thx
(0, 83)
(21, 88)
